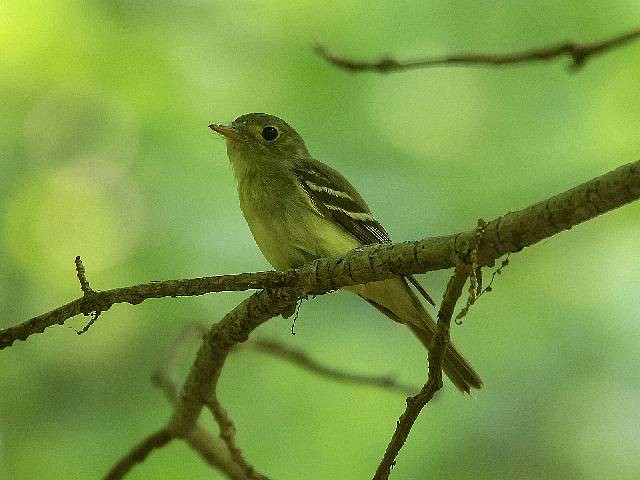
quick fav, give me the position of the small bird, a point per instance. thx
(299, 209)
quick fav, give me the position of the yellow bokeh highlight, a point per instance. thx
(445, 110)
(56, 215)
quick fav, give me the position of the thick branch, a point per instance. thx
(434, 380)
(224, 454)
(579, 53)
(211, 449)
(234, 328)
(510, 233)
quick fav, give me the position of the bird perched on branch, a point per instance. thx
(299, 209)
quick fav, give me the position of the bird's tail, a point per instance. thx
(396, 300)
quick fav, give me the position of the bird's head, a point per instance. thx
(259, 136)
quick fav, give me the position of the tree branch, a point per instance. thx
(214, 452)
(211, 449)
(139, 453)
(82, 277)
(224, 454)
(579, 53)
(234, 328)
(434, 381)
(228, 435)
(165, 376)
(510, 233)
(302, 359)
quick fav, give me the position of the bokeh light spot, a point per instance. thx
(76, 210)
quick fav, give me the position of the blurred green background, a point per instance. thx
(105, 153)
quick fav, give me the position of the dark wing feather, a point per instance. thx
(336, 199)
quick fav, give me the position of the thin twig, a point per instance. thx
(475, 275)
(211, 449)
(509, 233)
(82, 277)
(87, 292)
(579, 53)
(302, 359)
(434, 380)
(165, 375)
(497, 271)
(228, 435)
(139, 453)
(94, 317)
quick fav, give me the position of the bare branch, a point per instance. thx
(227, 456)
(579, 53)
(214, 452)
(166, 376)
(210, 448)
(302, 359)
(228, 435)
(139, 453)
(87, 292)
(234, 328)
(200, 387)
(434, 382)
(510, 233)
(82, 277)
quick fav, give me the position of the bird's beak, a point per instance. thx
(228, 131)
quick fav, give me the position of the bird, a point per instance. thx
(299, 209)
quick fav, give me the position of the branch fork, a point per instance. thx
(415, 404)
(89, 295)
(281, 290)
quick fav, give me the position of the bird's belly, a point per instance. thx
(296, 236)
(270, 237)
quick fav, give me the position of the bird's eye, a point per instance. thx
(270, 133)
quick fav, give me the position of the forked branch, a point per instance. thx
(509, 233)
(416, 403)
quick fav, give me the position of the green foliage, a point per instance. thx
(106, 154)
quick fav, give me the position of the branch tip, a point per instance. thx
(415, 404)
(82, 277)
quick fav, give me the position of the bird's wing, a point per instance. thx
(335, 198)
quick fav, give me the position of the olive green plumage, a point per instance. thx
(299, 209)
